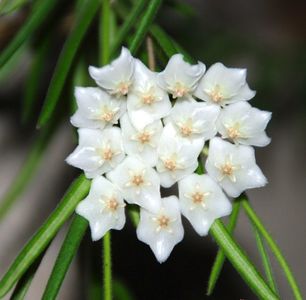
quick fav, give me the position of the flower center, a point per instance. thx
(216, 94)
(163, 221)
(112, 204)
(180, 90)
(197, 197)
(148, 99)
(186, 129)
(170, 164)
(107, 116)
(137, 180)
(227, 169)
(107, 154)
(123, 87)
(144, 137)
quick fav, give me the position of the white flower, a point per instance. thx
(117, 77)
(202, 201)
(162, 230)
(138, 182)
(176, 159)
(98, 151)
(146, 102)
(142, 143)
(179, 77)
(103, 208)
(233, 166)
(244, 124)
(194, 120)
(221, 85)
(96, 109)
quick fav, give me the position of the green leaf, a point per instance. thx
(25, 281)
(241, 262)
(121, 291)
(8, 6)
(265, 260)
(40, 10)
(220, 258)
(144, 24)
(129, 22)
(77, 191)
(274, 247)
(65, 60)
(67, 252)
(27, 172)
(133, 211)
(32, 81)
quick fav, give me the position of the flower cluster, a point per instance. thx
(140, 130)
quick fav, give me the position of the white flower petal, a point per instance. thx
(103, 208)
(96, 109)
(147, 102)
(202, 201)
(233, 167)
(179, 77)
(244, 124)
(138, 182)
(193, 120)
(176, 157)
(98, 151)
(221, 85)
(117, 77)
(143, 143)
(161, 230)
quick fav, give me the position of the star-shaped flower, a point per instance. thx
(96, 109)
(194, 120)
(221, 85)
(146, 102)
(98, 151)
(176, 158)
(202, 201)
(180, 78)
(161, 230)
(138, 182)
(233, 167)
(117, 77)
(244, 124)
(103, 208)
(142, 143)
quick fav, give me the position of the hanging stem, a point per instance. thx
(107, 267)
(274, 247)
(151, 56)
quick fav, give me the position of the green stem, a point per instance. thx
(265, 260)
(241, 262)
(27, 172)
(107, 266)
(275, 249)
(40, 11)
(144, 24)
(67, 252)
(220, 258)
(45, 234)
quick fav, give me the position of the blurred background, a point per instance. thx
(268, 37)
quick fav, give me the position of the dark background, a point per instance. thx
(266, 37)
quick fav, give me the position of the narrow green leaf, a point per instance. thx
(27, 172)
(25, 281)
(133, 211)
(121, 291)
(274, 247)
(31, 86)
(8, 6)
(240, 261)
(44, 235)
(129, 22)
(67, 252)
(265, 260)
(144, 25)
(88, 11)
(220, 258)
(40, 11)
